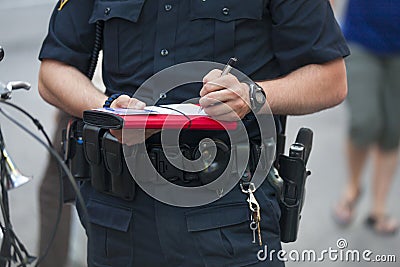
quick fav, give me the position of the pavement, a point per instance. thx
(23, 25)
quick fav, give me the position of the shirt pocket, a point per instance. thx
(111, 239)
(222, 235)
(121, 33)
(217, 22)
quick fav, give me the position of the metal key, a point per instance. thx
(253, 227)
(255, 210)
(257, 220)
(256, 214)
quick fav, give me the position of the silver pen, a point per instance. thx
(229, 66)
(227, 69)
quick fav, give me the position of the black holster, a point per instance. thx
(293, 172)
(289, 179)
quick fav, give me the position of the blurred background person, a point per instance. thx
(49, 192)
(372, 29)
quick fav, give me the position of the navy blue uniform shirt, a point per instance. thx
(269, 37)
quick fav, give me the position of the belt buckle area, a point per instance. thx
(163, 166)
(167, 170)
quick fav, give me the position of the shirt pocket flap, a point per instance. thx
(105, 10)
(217, 216)
(117, 218)
(226, 10)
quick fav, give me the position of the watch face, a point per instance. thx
(259, 97)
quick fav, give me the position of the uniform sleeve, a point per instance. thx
(70, 37)
(305, 32)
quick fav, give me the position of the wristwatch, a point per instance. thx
(257, 97)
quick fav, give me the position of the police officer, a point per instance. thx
(293, 49)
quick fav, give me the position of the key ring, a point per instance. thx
(250, 189)
(253, 226)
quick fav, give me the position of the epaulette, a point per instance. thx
(62, 4)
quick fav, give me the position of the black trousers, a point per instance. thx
(147, 233)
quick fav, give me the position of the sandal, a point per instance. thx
(343, 212)
(382, 225)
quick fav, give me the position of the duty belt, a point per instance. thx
(97, 156)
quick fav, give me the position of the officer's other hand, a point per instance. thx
(227, 90)
(131, 136)
(124, 101)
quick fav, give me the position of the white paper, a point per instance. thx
(172, 109)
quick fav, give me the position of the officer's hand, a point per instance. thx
(124, 101)
(225, 89)
(131, 136)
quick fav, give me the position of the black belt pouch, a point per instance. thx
(121, 182)
(100, 179)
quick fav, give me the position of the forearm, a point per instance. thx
(307, 90)
(67, 88)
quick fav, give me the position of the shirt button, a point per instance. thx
(168, 7)
(225, 11)
(107, 10)
(164, 52)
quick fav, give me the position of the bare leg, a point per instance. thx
(356, 160)
(385, 168)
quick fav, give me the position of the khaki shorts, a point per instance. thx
(373, 98)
